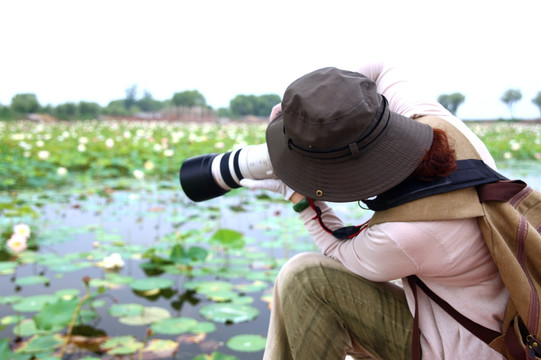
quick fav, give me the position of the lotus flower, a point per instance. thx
(16, 243)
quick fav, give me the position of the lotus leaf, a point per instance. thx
(174, 326)
(34, 303)
(247, 343)
(229, 313)
(40, 343)
(32, 280)
(148, 316)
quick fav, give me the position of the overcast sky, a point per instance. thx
(94, 50)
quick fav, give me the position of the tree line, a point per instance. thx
(242, 105)
(510, 97)
(27, 103)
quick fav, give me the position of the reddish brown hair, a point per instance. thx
(438, 161)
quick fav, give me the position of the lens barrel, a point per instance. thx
(208, 176)
(196, 178)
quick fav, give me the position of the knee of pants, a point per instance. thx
(294, 270)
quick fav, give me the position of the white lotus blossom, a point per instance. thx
(62, 171)
(43, 154)
(113, 261)
(168, 153)
(109, 143)
(138, 174)
(22, 230)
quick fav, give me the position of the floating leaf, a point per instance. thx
(10, 299)
(247, 343)
(40, 343)
(7, 267)
(148, 316)
(229, 313)
(174, 326)
(160, 349)
(203, 327)
(67, 294)
(121, 345)
(118, 310)
(34, 303)
(32, 280)
(11, 319)
(252, 287)
(215, 356)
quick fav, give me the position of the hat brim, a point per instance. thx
(383, 164)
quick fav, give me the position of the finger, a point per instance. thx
(276, 110)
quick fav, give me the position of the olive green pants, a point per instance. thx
(321, 310)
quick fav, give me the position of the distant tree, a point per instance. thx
(451, 101)
(25, 104)
(189, 98)
(148, 104)
(117, 108)
(265, 103)
(242, 105)
(67, 111)
(224, 112)
(537, 100)
(131, 97)
(510, 97)
(261, 105)
(89, 110)
(6, 113)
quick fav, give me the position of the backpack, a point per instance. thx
(511, 227)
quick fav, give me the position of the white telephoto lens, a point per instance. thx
(216, 172)
(254, 162)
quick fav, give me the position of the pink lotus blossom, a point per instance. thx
(16, 243)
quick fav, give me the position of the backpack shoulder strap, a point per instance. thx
(470, 172)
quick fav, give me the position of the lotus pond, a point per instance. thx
(103, 257)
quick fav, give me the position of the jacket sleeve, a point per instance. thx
(373, 254)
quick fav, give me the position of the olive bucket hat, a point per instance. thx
(337, 140)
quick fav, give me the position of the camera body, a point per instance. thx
(208, 176)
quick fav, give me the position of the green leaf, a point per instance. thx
(247, 343)
(121, 345)
(119, 310)
(229, 238)
(34, 303)
(6, 354)
(174, 326)
(215, 356)
(32, 280)
(177, 254)
(229, 313)
(40, 343)
(58, 313)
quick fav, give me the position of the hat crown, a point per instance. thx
(330, 108)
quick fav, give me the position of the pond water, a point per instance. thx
(79, 227)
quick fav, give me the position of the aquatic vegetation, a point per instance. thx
(102, 255)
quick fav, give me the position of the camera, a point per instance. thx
(208, 176)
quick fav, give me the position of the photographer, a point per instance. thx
(340, 136)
